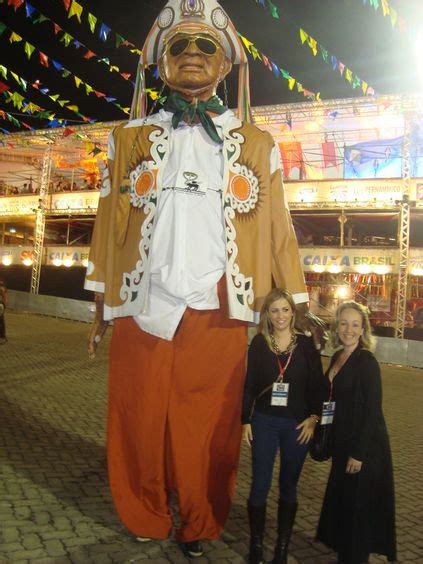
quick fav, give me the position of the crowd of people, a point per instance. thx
(56, 185)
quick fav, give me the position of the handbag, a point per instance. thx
(321, 443)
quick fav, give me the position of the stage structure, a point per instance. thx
(353, 179)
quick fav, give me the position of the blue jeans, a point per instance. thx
(269, 434)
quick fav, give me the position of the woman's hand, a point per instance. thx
(353, 466)
(247, 434)
(307, 430)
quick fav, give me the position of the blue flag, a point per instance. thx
(374, 159)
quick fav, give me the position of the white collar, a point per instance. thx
(163, 117)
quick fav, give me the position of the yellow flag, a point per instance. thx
(29, 49)
(14, 37)
(77, 81)
(364, 86)
(92, 20)
(291, 83)
(385, 7)
(73, 108)
(394, 16)
(16, 77)
(348, 75)
(66, 39)
(89, 147)
(246, 43)
(75, 10)
(303, 35)
(313, 45)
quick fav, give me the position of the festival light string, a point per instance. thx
(17, 123)
(397, 21)
(45, 60)
(277, 71)
(67, 39)
(44, 90)
(329, 58)
(73, 8)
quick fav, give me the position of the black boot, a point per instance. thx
(286, 518)
(256, 518)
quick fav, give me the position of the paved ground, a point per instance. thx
(55, 505)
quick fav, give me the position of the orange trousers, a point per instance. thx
(174, 423)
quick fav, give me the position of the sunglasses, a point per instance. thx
(206, 45)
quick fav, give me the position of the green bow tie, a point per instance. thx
(184, 110)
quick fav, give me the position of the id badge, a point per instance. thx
(279, 394)
(327, 413)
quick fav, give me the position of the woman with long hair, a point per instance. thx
(358, 513)
(282, 399)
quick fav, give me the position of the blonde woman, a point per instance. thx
(282, 399)
(358, 513)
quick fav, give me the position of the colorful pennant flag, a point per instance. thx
(277, 71)
(75, 10)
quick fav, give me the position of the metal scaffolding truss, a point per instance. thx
(404, 236)
(40, 223)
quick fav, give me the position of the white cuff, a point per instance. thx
(94, 286)
(300, 298)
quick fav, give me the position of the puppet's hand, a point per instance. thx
(310, 324)
(98, 327)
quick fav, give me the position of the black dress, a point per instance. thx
(358, 513)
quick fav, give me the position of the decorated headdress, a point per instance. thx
(192, 16)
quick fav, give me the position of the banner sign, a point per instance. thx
(19, 205)
(315, 259)
(350, 191)
(75, 200)
(67, 256)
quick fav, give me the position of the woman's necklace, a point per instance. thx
(289, 348)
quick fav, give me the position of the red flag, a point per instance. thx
(3, 114)
(99, 94)
(89, 55)
(125, 75)
(57, 28)
(3, 87)
(25, 125)
(44, 59)
(329, 154)
(67, 131)
(67, 4)
(15, 3)
(292, 157)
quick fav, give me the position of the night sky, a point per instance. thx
(356, 34)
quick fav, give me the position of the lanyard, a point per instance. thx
(282, 369)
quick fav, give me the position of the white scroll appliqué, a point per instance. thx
(144, 194)
(105, 179)
(241, 197)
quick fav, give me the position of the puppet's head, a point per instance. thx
(194, 44)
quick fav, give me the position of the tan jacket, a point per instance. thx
(260, 239)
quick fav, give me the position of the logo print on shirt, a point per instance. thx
(191, 184)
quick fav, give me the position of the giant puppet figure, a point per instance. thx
(192, 226)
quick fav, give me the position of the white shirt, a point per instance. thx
(188, 252)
